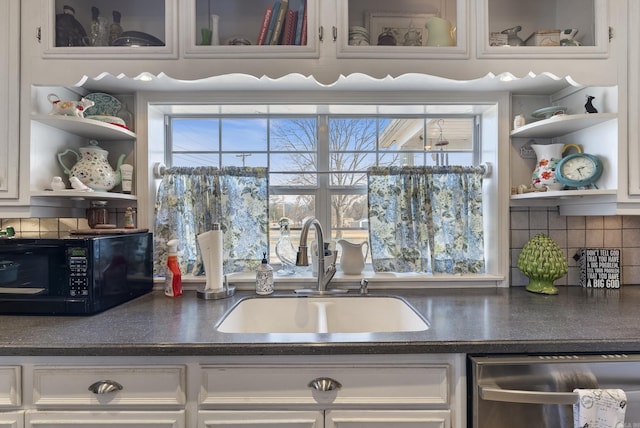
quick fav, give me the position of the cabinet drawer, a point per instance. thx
(397, 386)
(160, 386)
(10, 391)
(123, 419)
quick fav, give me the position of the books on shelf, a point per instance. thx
(266, 20)
(279, 24)
(288, 31)
(275, 10)
(299, 23)
(303, 36)
(282, 25)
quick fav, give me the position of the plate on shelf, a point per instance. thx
(137, 38)
(547, 112)
(113, 120)
(105, 105)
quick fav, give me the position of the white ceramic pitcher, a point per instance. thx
(352, 258)
(547, 158)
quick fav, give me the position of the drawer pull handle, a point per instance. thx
(324, 384)
(105, 387)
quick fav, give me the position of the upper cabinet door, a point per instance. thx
(250, 28)
(402, 29)
(109, 29)
(543, 29)
(9, 90)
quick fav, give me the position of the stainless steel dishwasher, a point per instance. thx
(537, 391)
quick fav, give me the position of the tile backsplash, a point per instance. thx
(50, 227)
(572, 233)
(569, 232)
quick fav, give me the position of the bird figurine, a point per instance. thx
(57, 184)
(79, 185)
(589, 108)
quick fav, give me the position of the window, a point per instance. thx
(318, 156)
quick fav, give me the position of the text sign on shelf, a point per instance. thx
(599, 267)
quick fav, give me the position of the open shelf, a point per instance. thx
(88, 128)
(563, 194)
(561, 125)
(77, 194)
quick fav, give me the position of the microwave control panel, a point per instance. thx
(78, 276)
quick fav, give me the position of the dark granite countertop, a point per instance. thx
(461, 321)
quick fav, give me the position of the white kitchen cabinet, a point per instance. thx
(10, 387)
(90, 419)
(328, 419)
(386, 418)
(403, 19)
(122, 395)
(75, 387)
(241, 21)
(411, 392)
(633, 100)
(149, 29)
(260, 418)
(588, 17)
(9, 92)
(11, 397)
(12, 419)
(328, 23)
(426, 391)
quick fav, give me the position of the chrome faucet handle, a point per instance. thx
(334, 258)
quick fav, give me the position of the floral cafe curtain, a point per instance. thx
(426, 219)
(189, 200)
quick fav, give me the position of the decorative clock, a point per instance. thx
(579, 170)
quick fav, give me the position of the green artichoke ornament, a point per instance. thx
(542, 261)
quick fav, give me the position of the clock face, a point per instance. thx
(579, 169)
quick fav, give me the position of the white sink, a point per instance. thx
(364, 314)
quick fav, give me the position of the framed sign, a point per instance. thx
(599, 267)
(404, 27)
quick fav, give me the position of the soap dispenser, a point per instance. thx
(264, 277)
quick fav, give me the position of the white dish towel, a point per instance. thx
(599, 408)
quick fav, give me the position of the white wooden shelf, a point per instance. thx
(564, 194)
(76, 194)
(561, 124)
(88, 128)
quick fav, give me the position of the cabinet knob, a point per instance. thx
(324, 384)
(105, 387)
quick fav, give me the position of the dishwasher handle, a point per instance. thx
(495, 393)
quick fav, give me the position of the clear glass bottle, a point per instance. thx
(264, 277)
(116, 28)
(285, 250)
(99, 34)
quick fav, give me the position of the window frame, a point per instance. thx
(323, 191)
(492, 105)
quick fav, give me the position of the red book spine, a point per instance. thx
(265, 25)
(289, 27)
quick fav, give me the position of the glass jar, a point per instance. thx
(97, 213)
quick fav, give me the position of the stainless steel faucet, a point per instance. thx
(302, 259)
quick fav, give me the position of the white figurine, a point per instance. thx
(57, 184)
(79, 185)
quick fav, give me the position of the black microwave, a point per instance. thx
(74, 275)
